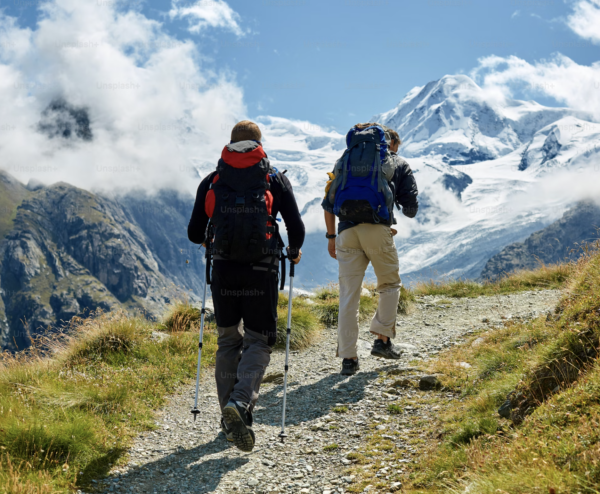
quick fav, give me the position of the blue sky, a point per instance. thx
(337, 62)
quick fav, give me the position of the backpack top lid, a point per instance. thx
(243, 154)
(373, 133)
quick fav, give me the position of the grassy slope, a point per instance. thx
(551, 443)
(64, 421)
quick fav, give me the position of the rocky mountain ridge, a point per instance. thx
(70, 252)
(562, 241)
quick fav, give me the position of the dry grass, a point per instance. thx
(306, 326)
(181, 316)
(544, 278)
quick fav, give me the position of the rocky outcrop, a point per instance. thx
(71, 252)
(163, 217)
(559, 242)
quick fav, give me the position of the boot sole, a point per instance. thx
(241, 436)
(385, 355)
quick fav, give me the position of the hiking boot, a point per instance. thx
(349, 367)
(239, 421)
(227, 431)
(386, 350)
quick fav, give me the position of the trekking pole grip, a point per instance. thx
(292, 268)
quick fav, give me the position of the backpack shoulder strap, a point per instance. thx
(345, 167)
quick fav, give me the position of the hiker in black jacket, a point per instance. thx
(243, 197)
(365, 184)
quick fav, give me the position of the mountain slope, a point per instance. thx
(561, 241)
(12, 194)
(163, 217)
(70, 252)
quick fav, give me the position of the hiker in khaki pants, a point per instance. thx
(368, 241)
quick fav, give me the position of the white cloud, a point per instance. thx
(585, 20)
(156, 109)
(574, 85)
(516, 13)
(207, 13)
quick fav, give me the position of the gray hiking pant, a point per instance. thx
(242, 358)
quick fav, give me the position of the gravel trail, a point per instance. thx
(187, 457)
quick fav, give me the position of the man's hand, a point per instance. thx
(394, 232)
(297, 260)
(331, 248)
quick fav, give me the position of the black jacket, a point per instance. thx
(406, 194)
(284, 202)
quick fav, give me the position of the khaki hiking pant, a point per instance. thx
(356, 247)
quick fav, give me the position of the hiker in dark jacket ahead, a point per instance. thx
(365, 184)
(243, 197)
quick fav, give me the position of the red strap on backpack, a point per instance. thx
(209, 201)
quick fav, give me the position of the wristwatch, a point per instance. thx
(330, 236)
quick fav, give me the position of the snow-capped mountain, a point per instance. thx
(489, 172)
(455, 119)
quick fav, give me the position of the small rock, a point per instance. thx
(158, 336)
(477, 342)
(505, 409)
(427, 383)
(485, 320)
(464, 365)
(396, 486)
(407, 347)
(253, 482)
(365, 292)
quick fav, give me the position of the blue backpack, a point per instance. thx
(361, 191)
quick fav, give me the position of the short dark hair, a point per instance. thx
(394, 136)
(246, 131)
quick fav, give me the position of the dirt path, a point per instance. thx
(187, 457)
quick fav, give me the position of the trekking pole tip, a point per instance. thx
(195, 412)
(282, 436)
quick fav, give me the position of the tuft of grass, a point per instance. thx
(395, 409)
(543, 278)
(181, 316)
(328, 303)
(79, 410)
(330, 447)
(406, 301)
(306, 326)
(340, 409)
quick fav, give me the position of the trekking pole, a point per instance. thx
(283, 435)
(195, 410)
